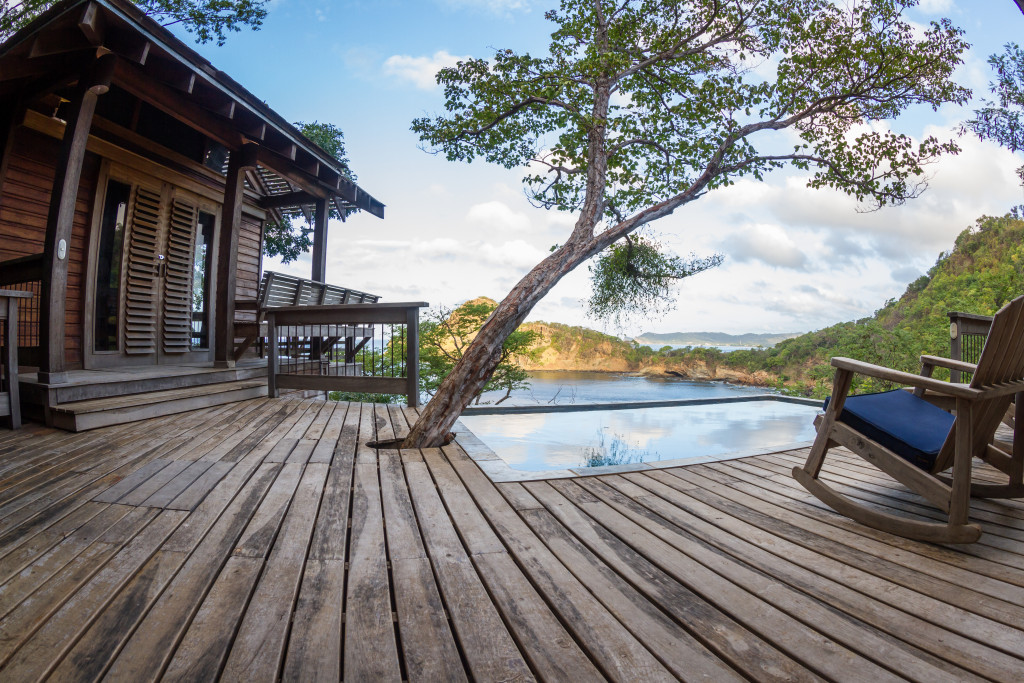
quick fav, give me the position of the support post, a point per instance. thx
(273, 363)
(227, 253)
(322, 213)
(60, 219)
(412, 356)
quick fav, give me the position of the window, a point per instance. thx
(108, 281)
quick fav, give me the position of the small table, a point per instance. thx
(9, 401)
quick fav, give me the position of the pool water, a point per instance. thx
(576, 388)
(544, 441)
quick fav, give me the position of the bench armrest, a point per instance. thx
(948, 363)
(908, 378)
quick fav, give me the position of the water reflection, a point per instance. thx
(541, 441)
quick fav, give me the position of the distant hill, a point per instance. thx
(657, 339)
(983, 271)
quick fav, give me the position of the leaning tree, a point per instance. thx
(643, 106)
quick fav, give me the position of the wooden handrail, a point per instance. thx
(338, 316)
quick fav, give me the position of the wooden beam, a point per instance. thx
(214, 101)
(285, 168)
(320, 241)
(250, 124)
(68, 63)
(287, 200)
(92, 24)
(60, 219)
(58, 41)
(137, 81)
(174, 74)
(241, 159)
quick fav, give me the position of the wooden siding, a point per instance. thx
(266, 541)
(24, 204)
(247, 274)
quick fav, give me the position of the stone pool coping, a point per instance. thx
(500, 471)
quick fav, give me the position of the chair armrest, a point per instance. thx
(908, 378)
(949, 363)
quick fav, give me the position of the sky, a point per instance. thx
(796, 259)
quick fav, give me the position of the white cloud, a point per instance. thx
(766, 243)
(497, 215)
(420, 71)
(495, 6)
(935, 6)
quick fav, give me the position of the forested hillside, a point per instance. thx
(984, 270)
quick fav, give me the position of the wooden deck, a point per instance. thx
(264, 540)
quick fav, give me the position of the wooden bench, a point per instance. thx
(278, 289)
(9, 400)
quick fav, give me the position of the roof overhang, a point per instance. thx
(157, 67)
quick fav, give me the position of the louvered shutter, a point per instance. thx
(177, 305)
(140, 289)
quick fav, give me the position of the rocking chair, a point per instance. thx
(914, 441)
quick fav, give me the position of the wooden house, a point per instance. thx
(135, 182)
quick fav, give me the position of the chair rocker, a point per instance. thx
(915, 442)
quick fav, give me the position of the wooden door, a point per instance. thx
(161, 270)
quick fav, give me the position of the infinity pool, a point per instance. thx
(559, 440)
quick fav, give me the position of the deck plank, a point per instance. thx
(265, 540)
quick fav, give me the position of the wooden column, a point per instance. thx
(320, 240)
(94, 82)
(10, 118)
(227, 253)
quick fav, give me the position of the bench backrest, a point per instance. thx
(279, 289)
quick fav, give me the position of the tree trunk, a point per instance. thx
(483, 354)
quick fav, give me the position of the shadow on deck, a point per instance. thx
(263, 540)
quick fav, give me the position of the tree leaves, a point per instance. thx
(209, 20)
(636, 276)
(291, 237)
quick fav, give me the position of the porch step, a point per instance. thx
(79, 416)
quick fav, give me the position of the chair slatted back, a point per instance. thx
(279, 289)
(1001, 361)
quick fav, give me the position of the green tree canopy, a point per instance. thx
(1001, 119)
(444, 337)
(208, 20)
(292, 236)
(640, 107)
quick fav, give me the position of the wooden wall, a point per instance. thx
(247, 275)
(24, 205)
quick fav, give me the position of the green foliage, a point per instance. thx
(689, 103)
(207, 19)
(291, 237)
(639, 107)
(444, 336)
(635, 276)
(1002, 119)
(982, 272)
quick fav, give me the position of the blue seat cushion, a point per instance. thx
(909, 426)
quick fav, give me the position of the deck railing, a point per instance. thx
(359, 348)
(23, 274)
(967, 333)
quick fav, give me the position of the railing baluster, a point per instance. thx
(304, 328)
